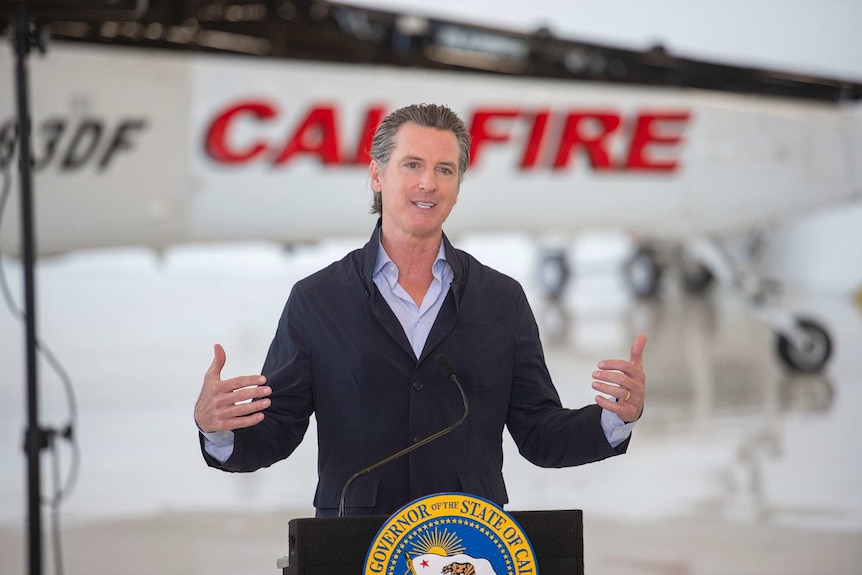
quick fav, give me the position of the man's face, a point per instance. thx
(420, 183)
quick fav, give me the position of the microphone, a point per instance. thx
(444, 364)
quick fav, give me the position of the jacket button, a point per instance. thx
(417, 385)
(417, 439)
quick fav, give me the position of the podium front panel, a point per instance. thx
(338, 545)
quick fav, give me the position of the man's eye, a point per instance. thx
(412, 164)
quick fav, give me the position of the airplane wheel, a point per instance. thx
(696, 277)
(554, 274)
(642, 273)
(813, 355)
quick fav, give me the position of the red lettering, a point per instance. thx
(363, 151)
(644, 136)
(652, 146)
(480, 131)
(317, 134)
(534, 143)
(594, 144)
(217, 135)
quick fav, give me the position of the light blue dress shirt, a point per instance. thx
(417, 321)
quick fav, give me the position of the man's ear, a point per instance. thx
(374, 175)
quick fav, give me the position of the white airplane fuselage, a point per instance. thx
(136, 147)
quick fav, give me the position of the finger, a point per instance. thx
(627, 412)
(248, 407)
(621, 365)
(613, 390)
(638, 350)
(236, 384)
(221, 413)
(219, 359)
(247, 421)
(614, 377)
(246, 393)
(621, 409)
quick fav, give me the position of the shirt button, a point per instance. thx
(418, 385)
(417, 439)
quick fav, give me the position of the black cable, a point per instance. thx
(61, 492)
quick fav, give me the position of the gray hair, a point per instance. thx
(427, 116)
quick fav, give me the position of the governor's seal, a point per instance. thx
(450, 533)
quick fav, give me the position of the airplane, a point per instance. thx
(213, 126)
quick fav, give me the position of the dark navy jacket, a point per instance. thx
(340, 353)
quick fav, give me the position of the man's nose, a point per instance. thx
(428, 181)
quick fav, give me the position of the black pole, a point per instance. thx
(33, 441)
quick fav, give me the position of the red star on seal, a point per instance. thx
(425, 563)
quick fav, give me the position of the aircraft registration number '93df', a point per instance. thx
(72, 144)
(609, 139)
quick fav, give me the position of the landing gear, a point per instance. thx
(554, 274)
(643, 272)
(696, 277)
(803, 345)
(808, 351)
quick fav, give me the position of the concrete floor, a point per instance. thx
(244, 543)
(737, 467)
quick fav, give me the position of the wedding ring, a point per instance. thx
(628, 395)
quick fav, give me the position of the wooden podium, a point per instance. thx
(338, 546)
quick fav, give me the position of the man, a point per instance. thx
(357, 341)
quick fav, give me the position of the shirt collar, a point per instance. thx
(383, 259)
(367, 258)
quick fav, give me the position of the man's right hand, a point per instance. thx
(218, 407)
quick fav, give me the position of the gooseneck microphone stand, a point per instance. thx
(35, 438)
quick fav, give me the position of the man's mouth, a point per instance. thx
(424, 205)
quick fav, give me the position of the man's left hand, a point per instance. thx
(624, 380)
